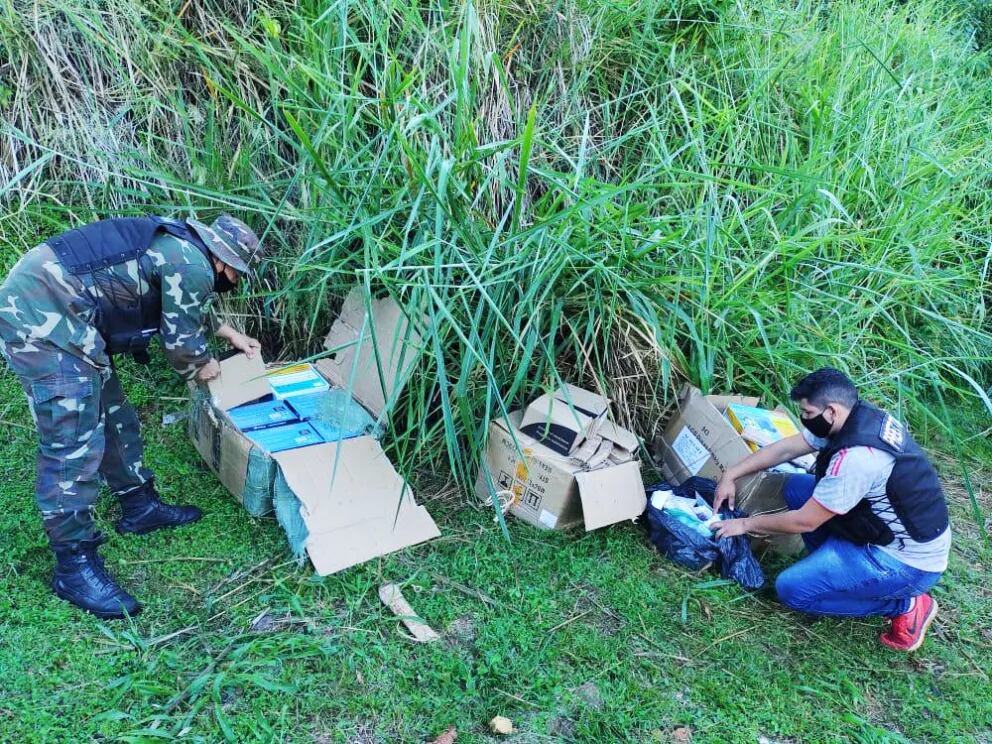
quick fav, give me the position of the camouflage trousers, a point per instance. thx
(87, 432)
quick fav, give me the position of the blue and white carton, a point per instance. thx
(286, 437)
(253, 416)
(296, 380)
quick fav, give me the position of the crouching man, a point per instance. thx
(873, 517)
(66, 309)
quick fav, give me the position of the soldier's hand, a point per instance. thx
(250, 346)
(209, 371)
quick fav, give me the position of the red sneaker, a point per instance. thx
(909, 629)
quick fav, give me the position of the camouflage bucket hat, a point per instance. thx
(231, 240)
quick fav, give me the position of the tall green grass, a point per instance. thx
(626, 195)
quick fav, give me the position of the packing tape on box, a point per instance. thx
(257, 496)
(287, 507)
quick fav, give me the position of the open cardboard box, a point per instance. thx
(353, 502)
(600, 484)
(566, 418)
(698, 440)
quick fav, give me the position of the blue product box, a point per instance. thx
(291, 436)
(334, 414)
(308, 406)
(330, 405)
(335, 432)
(262, 415)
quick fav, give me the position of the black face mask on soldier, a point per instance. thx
(222, 284)
(818, 426)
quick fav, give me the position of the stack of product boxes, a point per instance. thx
(302, 410)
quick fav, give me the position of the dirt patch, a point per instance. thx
(267, 622)
(601, 616)
(562, 727)
(460, 633)
(264, 623)
(609, 624)
(364, 734)
(590, 695)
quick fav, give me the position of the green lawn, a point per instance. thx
(586, 637)
(626, 195)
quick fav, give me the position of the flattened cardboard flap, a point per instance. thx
(340, 484)
(379, 350)
(621, 437)
(611, 495)
(353, 503)
(720, 402)
(241, 380)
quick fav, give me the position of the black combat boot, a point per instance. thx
(81, 579)
(144, 513)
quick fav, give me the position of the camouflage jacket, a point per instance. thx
(41, 302)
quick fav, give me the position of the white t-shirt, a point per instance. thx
(856, 473)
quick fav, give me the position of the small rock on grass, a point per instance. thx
(501, 725)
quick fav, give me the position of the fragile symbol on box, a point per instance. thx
(504, 481)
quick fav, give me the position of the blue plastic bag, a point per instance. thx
(684, 545)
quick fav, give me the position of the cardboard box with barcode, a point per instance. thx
(698, 440)
(353, 503)
(596, 482)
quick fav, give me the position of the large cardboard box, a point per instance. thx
(353, 502)
(698, 440)
(600, 485)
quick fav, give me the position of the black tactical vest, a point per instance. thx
(913, 487)
(126, 319)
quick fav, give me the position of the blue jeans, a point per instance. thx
(842, 579)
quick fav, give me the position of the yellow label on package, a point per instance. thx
(290, 370)
(775, 424)
(298, 379)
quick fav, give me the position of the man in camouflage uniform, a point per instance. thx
(58, 311)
